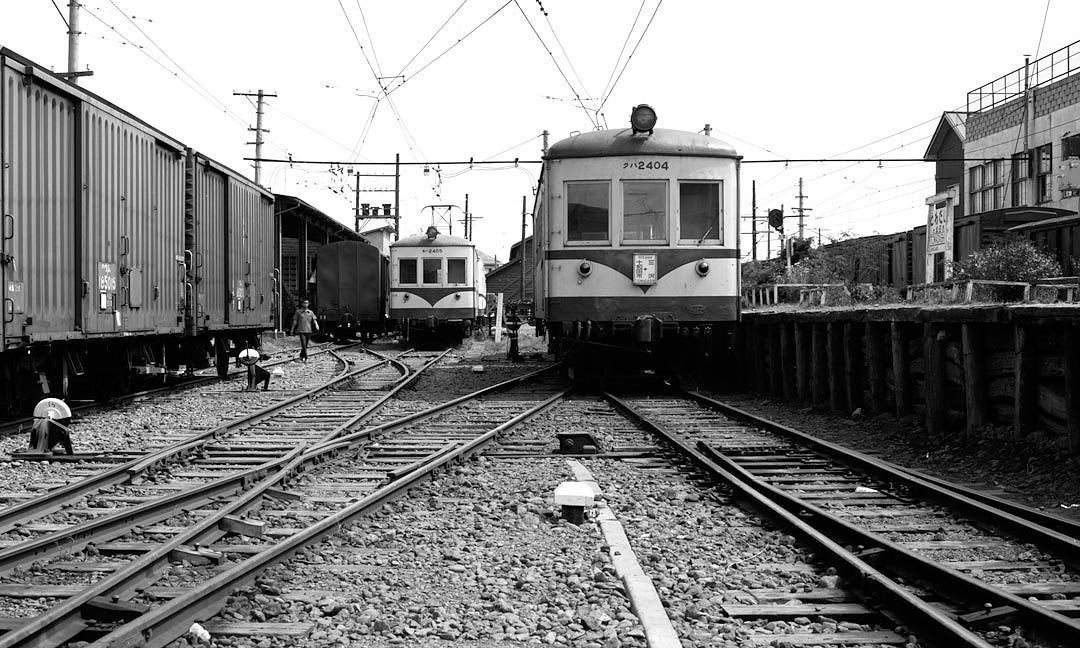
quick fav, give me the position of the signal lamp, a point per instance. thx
(584, 269)
(643, 119)
(702, 268)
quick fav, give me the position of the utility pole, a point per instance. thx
(73, 72)
(356, 213)
(802, 210)
(468, 228)
(522, 297)
(397, 195)
(544, 151)
(259, 130)
(753, 218)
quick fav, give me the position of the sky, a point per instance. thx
(445, 81)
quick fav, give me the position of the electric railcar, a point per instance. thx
(636, 233)
(438, 290)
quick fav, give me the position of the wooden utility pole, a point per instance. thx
(259, 130)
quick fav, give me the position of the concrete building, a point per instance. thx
(1023, 148)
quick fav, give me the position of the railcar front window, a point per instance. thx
(407, 271)
(700, 213)
(431, 270)
(455, 271)
(588, 205)
(644, 211)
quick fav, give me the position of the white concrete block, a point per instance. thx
(574, 493)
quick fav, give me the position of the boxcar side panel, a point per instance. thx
(208, 257)
(37, 222)
(250, 268)
(132, 231)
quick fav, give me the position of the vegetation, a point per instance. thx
(1009, 259)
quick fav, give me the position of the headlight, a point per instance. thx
(584, 269)
(702, 268)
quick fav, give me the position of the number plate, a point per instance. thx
(644, 269)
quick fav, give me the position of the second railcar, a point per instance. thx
(636, 233)
(352, 285)
(438, 290)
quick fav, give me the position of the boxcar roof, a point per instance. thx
(623, 141)
(422, 241)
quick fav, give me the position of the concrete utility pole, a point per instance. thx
(73, 72)
(259, 130)
(753, 220)
(802, 210)
(523, 213)
(544, 151)
(397, 195)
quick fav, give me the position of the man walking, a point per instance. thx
(304, 323)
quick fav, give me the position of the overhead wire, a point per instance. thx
(604, 98)
(592, 119)
(433, 36)
(622, 49)
(447, 50)
(566, 56)
(62, 16)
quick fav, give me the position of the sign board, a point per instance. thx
(644, 269)
(939, 233)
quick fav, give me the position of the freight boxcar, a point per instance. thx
(352, 283)
(119, 246)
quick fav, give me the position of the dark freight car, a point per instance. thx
(1059, 236)
(352, 282)
(111, 231)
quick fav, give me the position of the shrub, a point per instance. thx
(1011, 259)
(757, 273)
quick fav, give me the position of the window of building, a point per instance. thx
(1020, 174)
(1070, 147)
(431, 270)
(588, 205)
(700, 212)
(975, 182)
(455, 271)
(406, 271)
(644, 211)
(1044, 163)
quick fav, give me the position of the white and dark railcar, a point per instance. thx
(438, 290)
(637, 233)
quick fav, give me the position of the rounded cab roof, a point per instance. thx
(421, 240)
(623, 141)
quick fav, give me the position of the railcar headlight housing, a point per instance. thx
(584, 269)
(642, 119)
(702, 268)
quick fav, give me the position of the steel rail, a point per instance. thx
(111, 525)
(13, 427)
(64, 621)
(132, 470)
(1036, 618)
(923, 618)
(171, 620)
(1026, 527)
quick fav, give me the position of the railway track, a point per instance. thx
(99, 576)
(952, 566)
(17, 425)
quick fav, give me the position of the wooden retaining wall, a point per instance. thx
(958, 368)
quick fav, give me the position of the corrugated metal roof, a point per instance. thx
(623, 141)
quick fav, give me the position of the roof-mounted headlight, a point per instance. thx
(643, 119)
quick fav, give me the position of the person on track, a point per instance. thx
(304, 323)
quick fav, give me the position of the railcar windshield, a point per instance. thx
(431, 270)
(455, 271)
(644, 211)
(700, 212)
(588, 205)
(407, 271)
